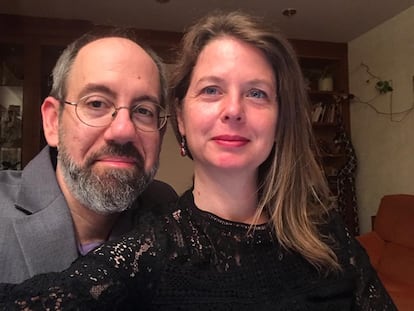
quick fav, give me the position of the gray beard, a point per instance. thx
(112, 191)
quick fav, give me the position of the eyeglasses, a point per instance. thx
(98, 111)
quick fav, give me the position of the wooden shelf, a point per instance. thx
(330, 114)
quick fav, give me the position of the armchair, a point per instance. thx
(390, 246)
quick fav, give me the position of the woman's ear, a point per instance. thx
(50, 117)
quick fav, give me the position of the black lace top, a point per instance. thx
(187, 259)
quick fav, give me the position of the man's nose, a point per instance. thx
(121, 130)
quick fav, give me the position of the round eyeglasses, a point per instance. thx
(98, 111)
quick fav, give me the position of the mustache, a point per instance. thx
(112, 149)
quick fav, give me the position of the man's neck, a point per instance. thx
(91, 227)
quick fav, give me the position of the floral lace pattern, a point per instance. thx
(187, 259)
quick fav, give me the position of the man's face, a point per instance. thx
(106, 168)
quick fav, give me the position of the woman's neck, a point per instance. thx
(229, 197)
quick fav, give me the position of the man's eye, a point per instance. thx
(97, 104)
(144, 111)
(257, 93)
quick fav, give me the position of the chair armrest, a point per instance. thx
(374, 246)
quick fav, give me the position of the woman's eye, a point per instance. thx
(257, 93)
(210, 90)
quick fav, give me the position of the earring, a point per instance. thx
(183, 149)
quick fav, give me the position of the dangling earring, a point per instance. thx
(183, 148)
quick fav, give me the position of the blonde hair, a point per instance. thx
(292, 188)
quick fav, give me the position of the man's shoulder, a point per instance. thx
(29, 188)
(10, 182)
(10, 178)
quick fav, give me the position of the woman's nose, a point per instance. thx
(233, 109)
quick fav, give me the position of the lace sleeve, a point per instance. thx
(102, 280)
(370, 294)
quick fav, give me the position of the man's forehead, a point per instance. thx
(114, 63)
(114, 53)
(112, 43)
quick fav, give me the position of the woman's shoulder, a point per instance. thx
(168, 211)
(156, 214)
(163, 221)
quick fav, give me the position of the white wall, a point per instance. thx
(174, 169)
(384, 144)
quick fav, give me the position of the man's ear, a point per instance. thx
(50, 117)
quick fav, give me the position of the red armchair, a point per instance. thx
(390, 246)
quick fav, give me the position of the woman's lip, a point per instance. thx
(231, 140)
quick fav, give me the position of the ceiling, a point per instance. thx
(323, 20)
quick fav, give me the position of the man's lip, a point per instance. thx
(117, 159)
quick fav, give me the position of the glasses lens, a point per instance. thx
(95, 110)
(98, 111)
(148, 117)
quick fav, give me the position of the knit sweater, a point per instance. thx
(182, 258)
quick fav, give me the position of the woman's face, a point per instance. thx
(229, 113)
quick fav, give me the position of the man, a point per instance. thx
(104, 124)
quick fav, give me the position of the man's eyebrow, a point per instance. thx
(146, 98)
(98, 88)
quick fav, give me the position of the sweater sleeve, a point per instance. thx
(370, 293)
(112, 277)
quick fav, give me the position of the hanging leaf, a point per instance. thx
(383, 87)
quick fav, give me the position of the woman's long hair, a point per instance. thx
(292, 187)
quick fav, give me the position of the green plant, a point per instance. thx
(383, 86)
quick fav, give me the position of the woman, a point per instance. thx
(255, 232)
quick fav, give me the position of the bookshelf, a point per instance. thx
(331, 120)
